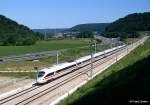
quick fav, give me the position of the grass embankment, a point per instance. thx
(125, 81)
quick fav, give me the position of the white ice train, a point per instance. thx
(59, 70)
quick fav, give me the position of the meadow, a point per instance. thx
(42, 46)
(75, 49)
(66, 55)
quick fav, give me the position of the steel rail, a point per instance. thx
(7, 99)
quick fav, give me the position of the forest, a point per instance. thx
(129, 26)
(12, 33)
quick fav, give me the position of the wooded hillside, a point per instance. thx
(12, 33)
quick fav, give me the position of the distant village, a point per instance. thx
(97, 37)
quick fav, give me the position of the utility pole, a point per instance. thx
(55, 32)
(45, 37)
(95, 47)
(91, 51)
(36, 68)
(111, 42)
(57, 58)
(76, 62)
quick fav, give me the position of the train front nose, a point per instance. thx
(40, 81)
(40, 77)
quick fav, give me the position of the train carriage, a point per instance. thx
(57, 71)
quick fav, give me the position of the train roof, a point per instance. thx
(83, 58)
(66, 64)
(57, 67)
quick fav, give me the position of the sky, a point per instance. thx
(39, 14)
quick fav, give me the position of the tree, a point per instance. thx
(12, 33)
(85, 34)
(131, 22)
(28, 41)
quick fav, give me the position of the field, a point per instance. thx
(42, 46)
(126, 80)
(39, 46)
(75, 49)
(31, 75)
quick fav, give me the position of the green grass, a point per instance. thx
(70, 54)
(31, 75)
(142, 33)
(97, 86)
(67, 55)
(41, 46)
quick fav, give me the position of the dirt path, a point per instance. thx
(9, 83)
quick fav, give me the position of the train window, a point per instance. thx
(60, 70)
(65, 68)
(49, 74)
(41, 73)
(1, 60)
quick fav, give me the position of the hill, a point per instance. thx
(57, 30)
(12, 33)
(99, 27)
(131, 22)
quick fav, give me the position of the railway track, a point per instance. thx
(46, 91)
(75, 72)
(49, 89)
(18, 94)
(29, 56)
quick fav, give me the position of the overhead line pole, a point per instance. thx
(95, 47)
(45, 37)
(57, 58)
(91, 51)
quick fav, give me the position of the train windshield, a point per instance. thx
(41, 73)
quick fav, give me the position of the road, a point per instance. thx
(29, 56)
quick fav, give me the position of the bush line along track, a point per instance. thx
(49, 89)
